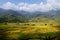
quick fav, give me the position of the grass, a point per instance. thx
(29, 30)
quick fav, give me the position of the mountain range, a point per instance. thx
(23, 16)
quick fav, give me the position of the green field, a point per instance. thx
(30, 30)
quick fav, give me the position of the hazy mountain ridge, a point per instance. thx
(31, 16)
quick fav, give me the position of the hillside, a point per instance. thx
(13, 15)
(11, 18)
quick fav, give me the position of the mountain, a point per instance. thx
(4, 12)
(29, 16)
(11, 16)
(46, 16)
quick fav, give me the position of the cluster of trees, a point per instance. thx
(11, 19)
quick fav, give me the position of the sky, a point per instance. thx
(31, 5)
(19, 1)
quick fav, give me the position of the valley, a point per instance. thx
(19, 25)
(30, 30)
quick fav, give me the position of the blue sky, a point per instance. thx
(31, 5)
(18, 1)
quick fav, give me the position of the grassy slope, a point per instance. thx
(26, 30)
(30, 27)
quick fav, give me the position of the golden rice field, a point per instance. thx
(31, 27)
(26, 30)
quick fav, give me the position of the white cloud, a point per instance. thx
(55, 4)
(9, 5)
(50, 5)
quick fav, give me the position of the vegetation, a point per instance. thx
(9, 18)
(28, 31)
(15, 26)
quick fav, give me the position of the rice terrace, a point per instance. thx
(29, 31)
(29, 19)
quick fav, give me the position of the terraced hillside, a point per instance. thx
(28, 30)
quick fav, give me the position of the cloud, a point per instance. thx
(50, 5)
(55, 4)
(9, 5)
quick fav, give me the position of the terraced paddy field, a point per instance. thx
(29, 31)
